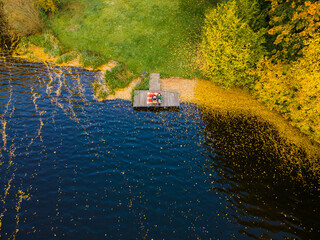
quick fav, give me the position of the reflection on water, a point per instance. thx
(75, 168)
(263, 193)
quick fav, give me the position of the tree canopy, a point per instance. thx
(230, 46)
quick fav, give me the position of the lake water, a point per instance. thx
(75, 168)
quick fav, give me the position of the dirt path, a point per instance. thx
(185, 87)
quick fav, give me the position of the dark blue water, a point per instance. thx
(75, 168)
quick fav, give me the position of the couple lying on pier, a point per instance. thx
(154, 98)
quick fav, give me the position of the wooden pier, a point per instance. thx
(170, 100)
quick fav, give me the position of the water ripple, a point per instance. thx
(74, 168)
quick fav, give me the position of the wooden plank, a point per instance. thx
(154, 82)
(140, 98)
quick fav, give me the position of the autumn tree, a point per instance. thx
(48, 5)
(294, 88)
(307, 72)
(230, 46)
(291, 23)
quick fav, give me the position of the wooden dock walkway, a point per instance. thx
(154, 82)
(170, 100)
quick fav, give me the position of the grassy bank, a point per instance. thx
(153, 36)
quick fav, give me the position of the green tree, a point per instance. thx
(230, 46)
(253, 12)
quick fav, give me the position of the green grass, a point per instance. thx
(153, 36)
(66, 57)
(91, 59)
(47, 40)
(143, 85)
(119, 77)
(99, 91)
(102, 94)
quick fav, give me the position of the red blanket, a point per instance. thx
(149, 98)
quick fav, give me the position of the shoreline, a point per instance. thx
(38, 54)
(201, 92)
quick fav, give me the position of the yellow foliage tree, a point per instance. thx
(294, 89)
(48, 5)
(293, 22)
(276, 87)
(307, 72)
(230, 48)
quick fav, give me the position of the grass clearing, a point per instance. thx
(153, 36)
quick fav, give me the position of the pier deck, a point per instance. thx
(170, 100)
